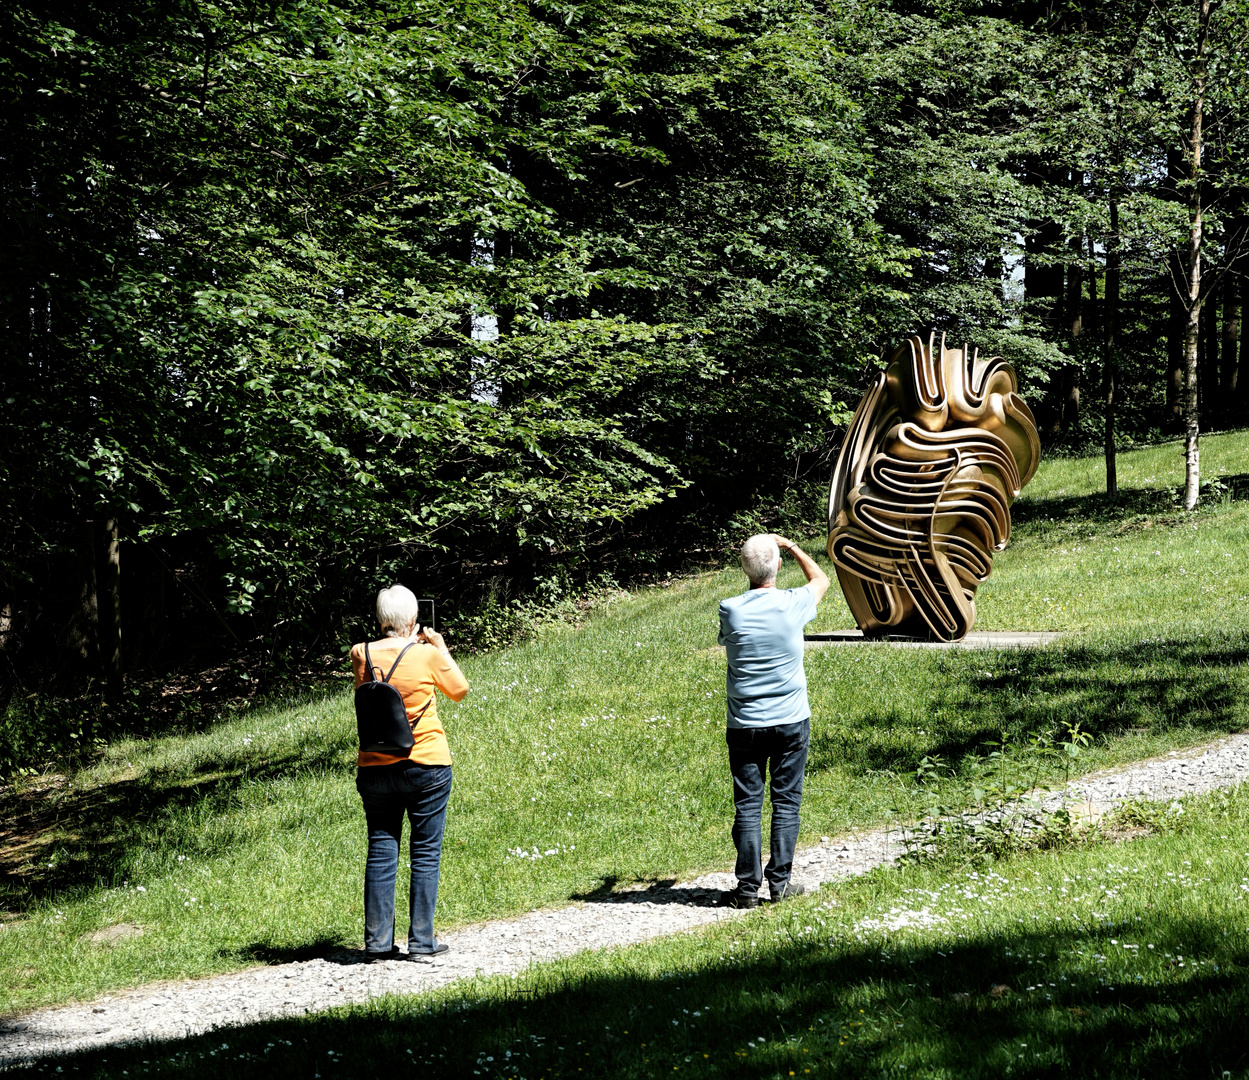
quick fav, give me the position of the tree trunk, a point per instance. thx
(1110, 324)
(994, 275)
(1071, 397)
(82, 637)
(108, 605)
(1075, 289)
(6, 626)
(1192, 463)
(1231, 340)
(1043, 283)
(1242, 365)
(1208, 404)
(1173, 416)
(1043, 262)
(1073, 315)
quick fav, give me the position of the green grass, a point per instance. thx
(1102, 960)
(244, 843)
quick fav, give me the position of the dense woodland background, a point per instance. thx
(500, 299)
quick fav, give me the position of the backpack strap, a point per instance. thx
(369, 666)
(396, 663)
(417, 718)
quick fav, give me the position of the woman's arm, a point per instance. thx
(447, 675)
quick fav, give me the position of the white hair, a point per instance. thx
(761, 559)
(396, 610)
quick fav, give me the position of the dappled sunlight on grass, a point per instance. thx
(1097, 960)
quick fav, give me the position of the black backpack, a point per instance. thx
(381, 719)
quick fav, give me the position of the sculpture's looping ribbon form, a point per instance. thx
(938, 449)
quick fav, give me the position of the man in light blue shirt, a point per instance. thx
(769, 719)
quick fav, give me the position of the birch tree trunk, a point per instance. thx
(1192, 328)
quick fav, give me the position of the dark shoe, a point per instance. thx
(787, 891)
(738, 899)
(378, 957)
(425, 957)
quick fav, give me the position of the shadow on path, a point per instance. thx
(659, 892)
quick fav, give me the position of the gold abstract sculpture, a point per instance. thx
(920, 500)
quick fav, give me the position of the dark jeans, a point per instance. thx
(754, 752)
(388, 791)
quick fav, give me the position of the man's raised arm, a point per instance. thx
(817, 580)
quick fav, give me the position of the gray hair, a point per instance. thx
(396, 610)
(761, 559)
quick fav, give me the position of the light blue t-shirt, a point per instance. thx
(761, 631)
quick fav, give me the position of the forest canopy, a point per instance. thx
(300, 298)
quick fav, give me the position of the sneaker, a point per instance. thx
(737, 899)
(425, 957)
(787, 891)
(379, 957)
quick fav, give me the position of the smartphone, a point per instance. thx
(425, 614)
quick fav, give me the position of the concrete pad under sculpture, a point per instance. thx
(975, 639)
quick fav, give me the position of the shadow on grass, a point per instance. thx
(1128, 510)
(1025, 1004)
(1097, 509)
(323, 948)
(1148, 686)
(56, 841)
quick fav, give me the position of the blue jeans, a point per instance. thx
(753, 752)
(388, 791)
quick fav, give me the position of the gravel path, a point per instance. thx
(178, 1009)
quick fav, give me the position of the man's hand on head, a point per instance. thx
(817, 580)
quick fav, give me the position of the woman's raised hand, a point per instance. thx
(432, 637)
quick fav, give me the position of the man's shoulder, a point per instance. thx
(767, 597)
(790, 598)
(746, 604)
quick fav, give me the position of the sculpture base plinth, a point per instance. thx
(977, 639)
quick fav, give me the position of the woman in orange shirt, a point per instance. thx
(419, 783)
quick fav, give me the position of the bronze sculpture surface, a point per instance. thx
(938, 449)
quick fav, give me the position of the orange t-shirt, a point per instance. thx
(423, 671)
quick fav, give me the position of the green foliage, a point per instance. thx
(335, 292)
(313, 297)
(1152, 817)
(270, 354)
(35, 730)
(1007, 814)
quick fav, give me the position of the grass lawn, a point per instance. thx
(1102, 960)
(595, 755)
